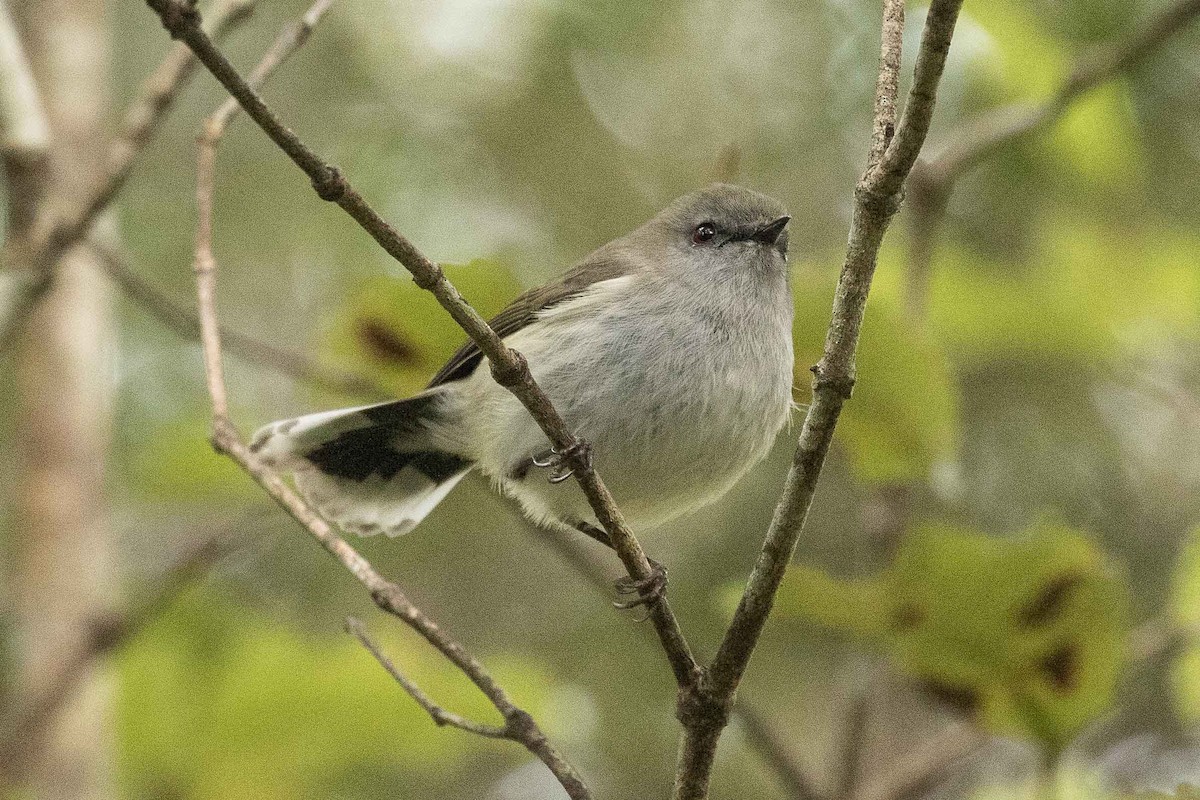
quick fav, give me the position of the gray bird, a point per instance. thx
(669, 350)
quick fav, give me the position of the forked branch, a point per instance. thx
(877, 197)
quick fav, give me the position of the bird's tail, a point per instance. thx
(373, 469)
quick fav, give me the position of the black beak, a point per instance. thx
(769, 233)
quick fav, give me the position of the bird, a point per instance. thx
(668, 350)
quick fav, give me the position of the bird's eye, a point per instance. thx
(704, 232)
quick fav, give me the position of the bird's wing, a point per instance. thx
(599, 266)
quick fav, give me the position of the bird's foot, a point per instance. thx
(649, 590)
(559, 461)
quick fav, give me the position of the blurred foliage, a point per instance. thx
(1027, 632)
(904, 414)
(389, 331)
(1055, 378)
(257, 702)
(1184, 612)
(1182, 792)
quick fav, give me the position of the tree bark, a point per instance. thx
(65, 561)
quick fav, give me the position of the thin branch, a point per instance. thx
(25, 152)
(928, 765)
(854, 743)
(387, 595)
(972, 142)
(774, 750)
(46, 242)
(440, 715)
(183, 321)
(877, 197)
(138, 126)
(887, 87)
(24, 731)
(508, 367)
(760, 737)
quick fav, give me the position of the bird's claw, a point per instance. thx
(649, 590)
(559, 461)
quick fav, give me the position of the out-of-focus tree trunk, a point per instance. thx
(65, 562)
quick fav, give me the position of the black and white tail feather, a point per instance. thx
(372, 469)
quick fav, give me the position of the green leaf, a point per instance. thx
(860, 607)
(1026, 633)
(397, 333)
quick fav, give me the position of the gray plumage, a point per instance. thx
(669, 350)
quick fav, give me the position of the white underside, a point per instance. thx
(712, 413)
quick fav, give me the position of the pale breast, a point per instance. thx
(677, 404)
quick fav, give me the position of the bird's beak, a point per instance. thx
(769, 233)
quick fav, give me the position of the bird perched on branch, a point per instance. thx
(668, 350)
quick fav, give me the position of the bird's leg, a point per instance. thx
(648, 589)
(559, 461)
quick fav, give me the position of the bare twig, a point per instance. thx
(877, 196)
(387, 595)
(854, 743)
(928, 765)
(508, 367)
(25, 151)
(774, 750)
(23, 732)
(933, 180)
(138, 126)
(184, 321)
(46, 242)
(440, 715)
(760, 736)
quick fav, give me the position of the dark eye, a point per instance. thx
(704, 232)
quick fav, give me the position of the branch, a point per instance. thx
(971, 142)
(25, 151)
(138, 126)
(387, 595)
(46, 242)
(440, 715)
(184, 322)
(854, 743)
(774, 750)
(23, 733)
(928, 765)
(760, 737)
(877, 198)
(508, 367)
(887, 87)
